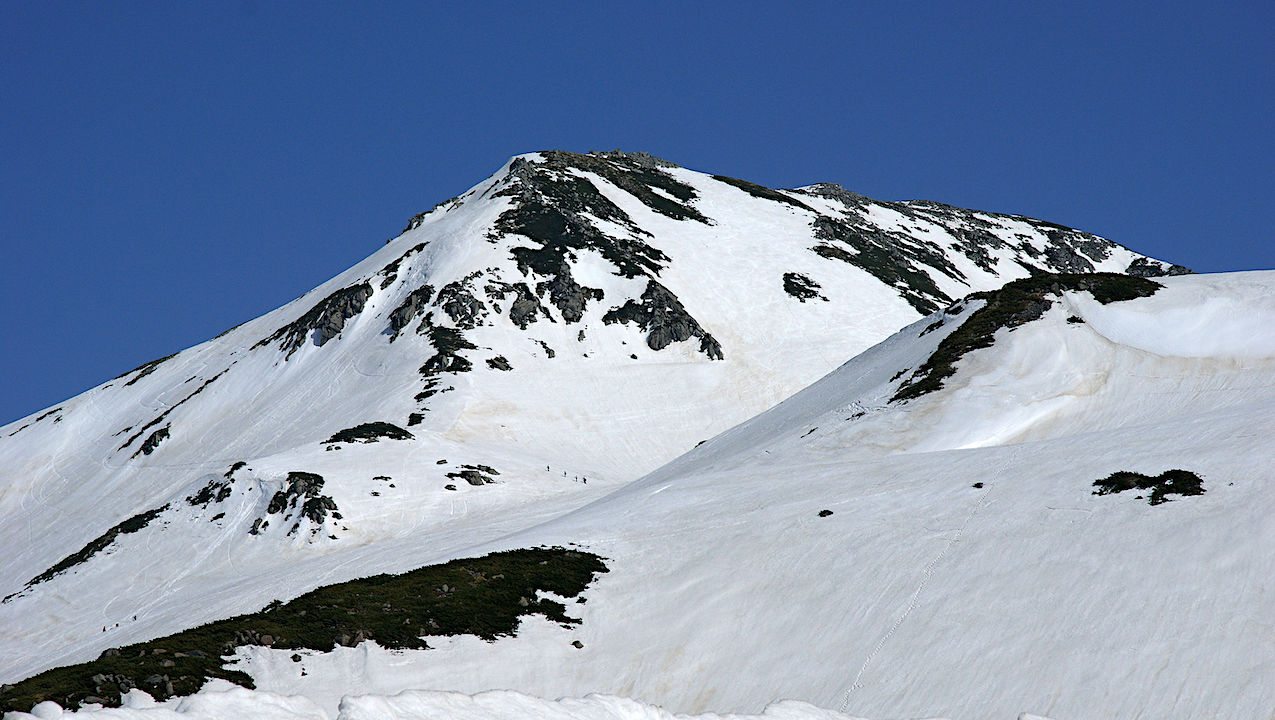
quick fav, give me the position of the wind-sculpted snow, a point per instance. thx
(1019, 302)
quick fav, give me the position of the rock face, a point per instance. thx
(325, 320)
(665, 320)
(300, 496)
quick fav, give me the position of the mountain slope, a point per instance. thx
(954, 555)
(562, 328)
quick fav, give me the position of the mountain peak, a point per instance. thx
(565, 326)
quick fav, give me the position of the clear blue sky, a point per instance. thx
(169, 170)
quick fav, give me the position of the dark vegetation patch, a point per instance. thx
(369, 433)
(483, 596)
(1169, 482)
(411, 308)
(476, 475)
(94, 546)
(1075, 319)
(301, 495)
(763, 192)
(152, 441)
(324, 321)
(1018, 302)
(802, 287)
(499, 363)
(665, 321)
(415, 419)
(144, 369)
(169, 411)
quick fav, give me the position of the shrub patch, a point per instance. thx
(1017, 303)
(483, 596)
(370, 433)
(1169, 482)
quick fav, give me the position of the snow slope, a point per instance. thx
(966, 570)
(564, 327)
(494, 705)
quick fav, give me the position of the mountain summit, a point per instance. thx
(566, 326)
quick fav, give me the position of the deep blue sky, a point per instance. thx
(169, 170)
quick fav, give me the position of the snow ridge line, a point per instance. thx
(926, 574)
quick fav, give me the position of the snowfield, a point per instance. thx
(943, 556)
(411, 705)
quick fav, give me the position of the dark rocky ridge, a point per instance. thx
(900, 260)
(151, 442)
(551, 203)
(168, 412)
(476, 475)
(1015, 304)
(144, 370)
(664, 320)
(525, 308)
(303, 488)
(802, 287)
(890, 261)
(325, 320)
(760, 191)
(411, 308)
(390, 271)
(93, 547)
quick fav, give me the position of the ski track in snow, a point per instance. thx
(926, 574)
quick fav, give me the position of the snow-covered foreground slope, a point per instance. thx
(966, 568)
(943, 555)
(564, 327)
(413, 705)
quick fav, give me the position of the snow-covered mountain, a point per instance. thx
(565, 327)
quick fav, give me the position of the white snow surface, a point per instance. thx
(920, 596)
(220, 702)
(923, 595)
